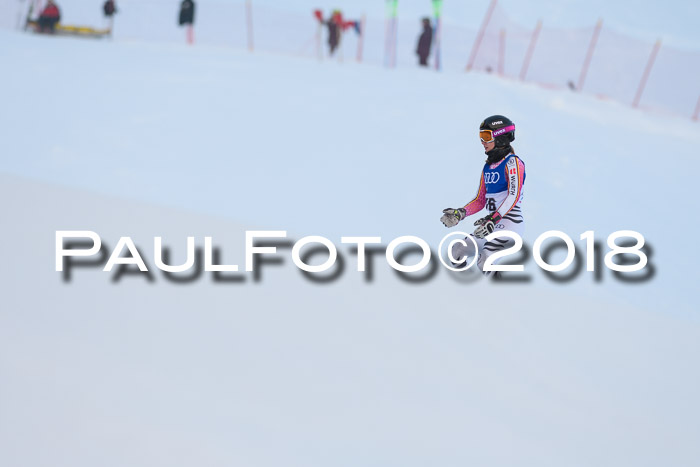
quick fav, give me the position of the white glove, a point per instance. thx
(451, 216)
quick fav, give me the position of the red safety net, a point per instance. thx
(595, 60)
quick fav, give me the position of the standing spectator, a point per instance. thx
(186, 13)
(187, 19)
(49, 18)
(109, 8)
(335, 29)
(424, 42)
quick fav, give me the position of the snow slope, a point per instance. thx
(152, 139)
(227, 133)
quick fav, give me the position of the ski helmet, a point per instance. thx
(499, 129)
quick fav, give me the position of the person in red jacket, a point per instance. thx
(49, 17)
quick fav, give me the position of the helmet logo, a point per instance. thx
(497, 123)
(503, 130)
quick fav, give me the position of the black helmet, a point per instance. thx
(501, 129)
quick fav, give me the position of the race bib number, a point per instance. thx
(491, 204)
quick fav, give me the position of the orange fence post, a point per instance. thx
(647, 71)
(480, 35)
(589, 54)
(530, 50)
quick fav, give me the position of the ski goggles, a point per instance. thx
(489, 136)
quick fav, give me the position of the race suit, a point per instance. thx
(501, 191)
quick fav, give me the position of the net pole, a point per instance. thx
(361, 39)
(696, 114)
(501, 51)
(249, 23)
(645, 75)
(589, 55)
(20, 14)
(530, 50)
(480, 34)
(388, 27)
(395, 32)
(437, 12)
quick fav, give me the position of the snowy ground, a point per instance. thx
(151, 139)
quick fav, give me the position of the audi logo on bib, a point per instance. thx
(491, 177)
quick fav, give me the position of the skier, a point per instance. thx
(500, 192)
(49, 18)
(424, 42)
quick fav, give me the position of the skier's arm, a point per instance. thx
(478, 203)
(515, 171)
(451, 217)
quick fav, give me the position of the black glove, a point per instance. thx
(486, 225)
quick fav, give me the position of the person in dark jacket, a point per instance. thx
(109, 8)
(186, 12)
(424, 42)
(335, 25)
(49, 18)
